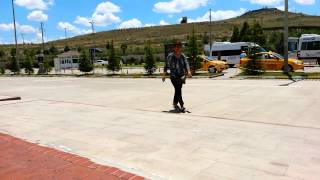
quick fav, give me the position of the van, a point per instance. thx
(309, 48)
(230, 52)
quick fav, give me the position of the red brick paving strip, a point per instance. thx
(21, 160)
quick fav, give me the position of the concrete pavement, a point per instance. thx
(237, 129)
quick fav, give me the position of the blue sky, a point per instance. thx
(75, 15)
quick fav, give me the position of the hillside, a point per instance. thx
(270, 19)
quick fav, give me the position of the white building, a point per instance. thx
(67, 60)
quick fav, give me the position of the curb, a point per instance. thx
(11, 99)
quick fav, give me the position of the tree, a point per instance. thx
(14, 67)
(113, 62)
(28, 64)
(206, 38)
(124, 49)
(53, 50)
(2, 55)
(66, 48)
(150, 65)
(193, 52)
(85, 64)
(235, 35)
(108, 45)
(80, 48)
(258, 34)
(253, 66)
(245, 33)
(46, 65)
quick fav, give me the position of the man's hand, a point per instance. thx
(189, 74)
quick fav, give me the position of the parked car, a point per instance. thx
(101, 62)
(273, 61)
(213, 66)
(230, 52)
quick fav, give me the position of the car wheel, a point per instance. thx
(212, 70)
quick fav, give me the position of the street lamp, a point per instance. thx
(210, 29)
(93, 41)
(15, 33)
(286, 29)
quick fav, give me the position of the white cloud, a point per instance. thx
(27, 29)
(163, 23)
(107, 7)
(267, 2)
(219, 15)
(37, 16)
(6, 27)
(306, 2)
(72, 28)
(178, 6)
(34, 4)
(103, 15)
(132, 23)
(149, 25)
(83, 21)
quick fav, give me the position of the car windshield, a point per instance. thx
(278, 56)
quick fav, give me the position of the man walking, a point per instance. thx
(179, 68)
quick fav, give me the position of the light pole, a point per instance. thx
(93, 41)
(210, 38)
(65, 35)
(15, 33)
(286, 33)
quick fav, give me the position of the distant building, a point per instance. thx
(184, 20)
(67, 60)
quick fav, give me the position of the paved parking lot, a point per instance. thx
(237, 129)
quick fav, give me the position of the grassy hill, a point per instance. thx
(270, 19)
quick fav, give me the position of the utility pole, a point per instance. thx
(41, 60)
(93, 41)
(15, 33)
(286, 33)
(210, 29)
(22, 36)
(65, 35)
(42, 37)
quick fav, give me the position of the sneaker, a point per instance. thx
(183, 109)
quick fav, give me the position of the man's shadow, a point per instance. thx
(174, 111)
(177, 111)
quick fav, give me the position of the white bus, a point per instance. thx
(309, 48)
(230, 52)
(293, 43)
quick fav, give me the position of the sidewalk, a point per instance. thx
(21, 160)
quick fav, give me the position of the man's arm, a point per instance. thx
(165, 69)
(187, 66)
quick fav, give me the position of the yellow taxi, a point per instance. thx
(213, 66)
(274, 61)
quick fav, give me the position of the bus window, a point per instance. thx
(304, 46)
(293, 46)
(244, 48)
(316, 45)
